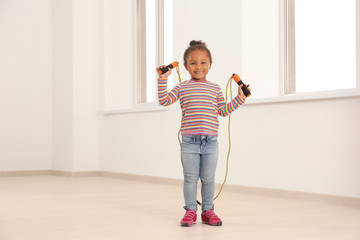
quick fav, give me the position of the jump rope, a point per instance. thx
(247, 93)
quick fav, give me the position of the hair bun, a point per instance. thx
(194, 43)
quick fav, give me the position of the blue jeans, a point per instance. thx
(199, 155)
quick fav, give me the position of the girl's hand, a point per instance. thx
(165, 75)
(241, 93)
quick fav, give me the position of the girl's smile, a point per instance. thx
(198, 64)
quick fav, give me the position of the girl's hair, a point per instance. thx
(196, 45)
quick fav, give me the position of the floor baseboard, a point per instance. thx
(75, 174)
(49, 172)
(24, 173)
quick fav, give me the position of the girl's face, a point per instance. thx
(198, 65)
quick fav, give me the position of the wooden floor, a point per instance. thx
(89, 208)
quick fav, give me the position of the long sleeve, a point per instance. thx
(167, 98)
(226, 109)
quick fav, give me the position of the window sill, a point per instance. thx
(306, 96)
(142, 107)
(154, 106)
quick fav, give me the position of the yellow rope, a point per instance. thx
(229, 149)
(178, 72)
(229, 124)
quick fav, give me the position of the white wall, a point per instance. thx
(87, 57)
(311, 146)
(118, 54)
(76, 75)
(219, 25)
(62, 139)
(260, 52)
(50, 73)
(25, 84)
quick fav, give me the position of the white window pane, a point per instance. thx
(150, 49)
(168, 36)
(325, 43)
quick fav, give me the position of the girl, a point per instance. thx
(201, 102)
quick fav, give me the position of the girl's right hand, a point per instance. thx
(165, 75)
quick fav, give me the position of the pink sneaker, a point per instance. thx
(189, 218)
(209, 217)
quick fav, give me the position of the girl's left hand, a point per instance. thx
(241, 93)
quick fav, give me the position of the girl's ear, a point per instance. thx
(185, 66)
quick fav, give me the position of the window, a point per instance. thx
(154, 45)
(320, 45)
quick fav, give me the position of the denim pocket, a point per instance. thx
(213, 138)
(189, 144)
(211, 146)
(188, 138)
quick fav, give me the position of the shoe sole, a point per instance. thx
(187, 225)
(218, 224)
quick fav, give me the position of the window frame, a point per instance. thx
(140, 95)
(287, 58)
(289, 83)
(139, 82)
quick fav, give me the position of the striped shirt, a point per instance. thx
(201, 103)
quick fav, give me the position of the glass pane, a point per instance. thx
(150, 49)
(168, 37)
(325, 40)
